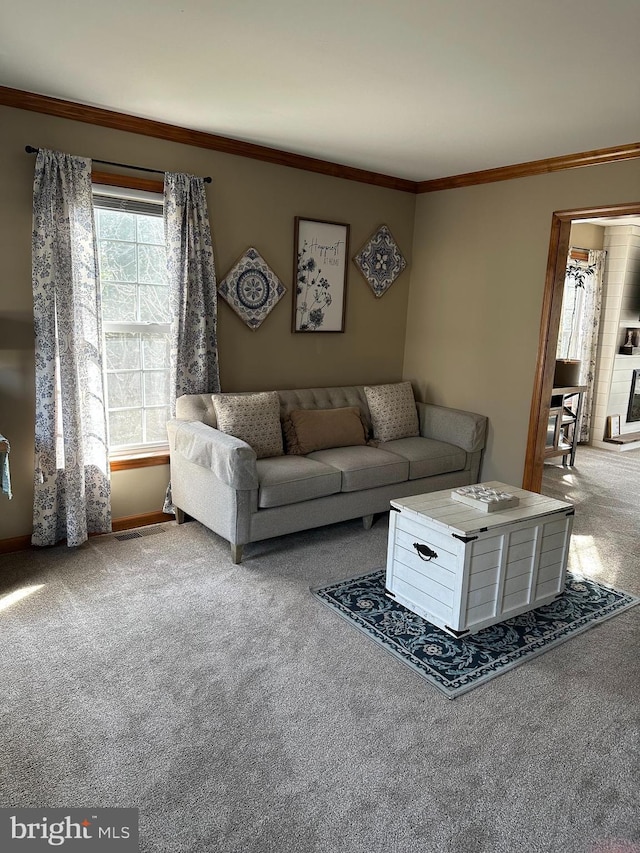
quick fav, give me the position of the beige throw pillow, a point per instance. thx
(254, 418)
(393, 411)
(307, 430)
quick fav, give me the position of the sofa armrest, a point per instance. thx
(232, 460)
(464, 429)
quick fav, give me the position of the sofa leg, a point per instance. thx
(236, 553)
(180, 515)
(367, 522)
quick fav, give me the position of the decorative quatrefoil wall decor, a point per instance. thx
(380, 260)
(251, 288)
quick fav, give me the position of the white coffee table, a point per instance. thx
(463, 569)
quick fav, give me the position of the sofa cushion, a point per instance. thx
(306, 430)
(255, 418)
(364, 467)
(393, 411)
(426, 456)
(291, 479)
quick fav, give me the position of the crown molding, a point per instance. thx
(534, 167)
(173, 133)
(199, 139)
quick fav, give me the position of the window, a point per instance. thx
(136, 317)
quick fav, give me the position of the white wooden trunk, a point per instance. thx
(488, 566)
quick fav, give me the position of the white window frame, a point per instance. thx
(142, 449)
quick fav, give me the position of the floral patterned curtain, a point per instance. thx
(71, 482)
(192, 280)
(194, 298)
(578, 337)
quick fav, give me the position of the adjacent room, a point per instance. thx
(320, 426)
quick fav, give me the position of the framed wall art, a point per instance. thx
(633, 410)
(613, 426)
(380, 261)
(320, 257)
(251, 288)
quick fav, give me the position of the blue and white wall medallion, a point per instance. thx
(251, 288)
(380, 260)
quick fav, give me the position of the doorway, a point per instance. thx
(549, 326)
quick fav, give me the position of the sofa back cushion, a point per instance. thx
(393, 411)
(306, 430)
(337, 397)
(196, 407)
(254, 418)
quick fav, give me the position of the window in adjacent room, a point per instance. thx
(136, 318)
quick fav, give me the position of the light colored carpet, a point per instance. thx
(241, 716)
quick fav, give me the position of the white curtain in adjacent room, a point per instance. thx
(580, 324)
(71, 482)
(589, 330)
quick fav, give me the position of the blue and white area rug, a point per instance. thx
(455, 666)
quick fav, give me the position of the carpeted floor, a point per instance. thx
(241, 716)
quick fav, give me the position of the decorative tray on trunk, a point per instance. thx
(484, 498)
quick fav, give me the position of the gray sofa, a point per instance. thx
(217, 479)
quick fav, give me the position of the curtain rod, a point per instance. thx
(578, 253)
(31, 150)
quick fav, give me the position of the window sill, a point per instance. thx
(141, 460)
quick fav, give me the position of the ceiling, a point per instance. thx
(418, 89)
(611, 220)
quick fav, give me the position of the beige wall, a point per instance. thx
(462, 322)
(479, 262)
(586, 235)
(250, 204)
